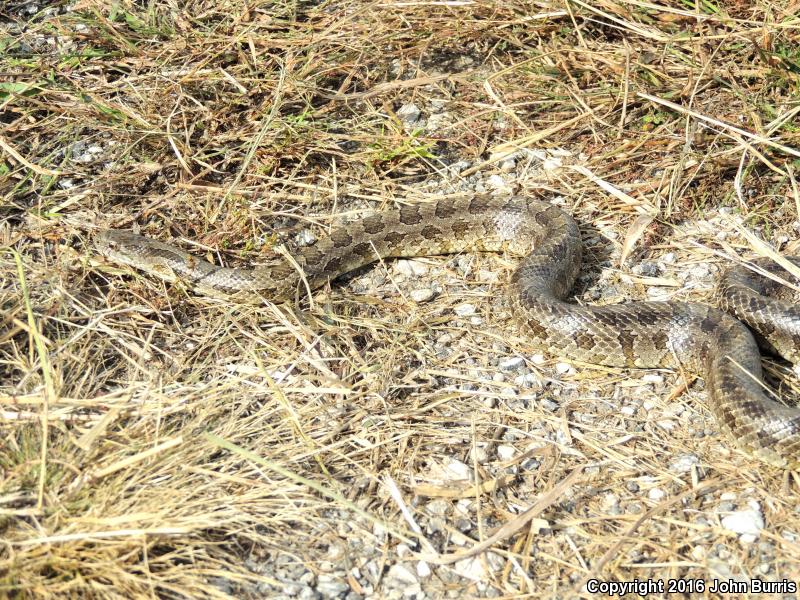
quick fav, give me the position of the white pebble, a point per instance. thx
(748, 522)
(471, 568)
(423, 569)
(538, 359)
(305, 238)
(402, 574)
(496, 182)
(408, 113)
(552, 163)
(456, 469)
(528, 380)
(563, 368)
(656, 494)
(610, 500)
(422, 295)
(684, 463)
(411, 268)
(487, 276)
(506, 452)
(507, 165)
(465, 310)
(511, 364)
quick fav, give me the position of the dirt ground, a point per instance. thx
(394, 435)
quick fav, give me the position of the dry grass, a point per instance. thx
(155, 443)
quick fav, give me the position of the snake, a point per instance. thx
(714, 342)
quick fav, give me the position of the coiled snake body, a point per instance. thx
(699, 338)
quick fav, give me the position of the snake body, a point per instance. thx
(700, 338)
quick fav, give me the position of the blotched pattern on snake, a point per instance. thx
(699, 338)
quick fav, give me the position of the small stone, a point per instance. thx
(305, 238)
(684, 463)
(511, 364)
(666, 424)
(479, 454)
(438, 507)
(528, 380)
(552, 163)
(408, 113)
(456, 469)
(563, 368)
(422, 295)
(538, 359)
(331, 587)
(652, 378)
(487, 276)
(548, 404)
(656, 494)
(402, 578)
(610, 500)
(496, 182)
(464, 310)
(646, 269)
(746, 522)
(308, 593)
(506, 452)
(423, 570)
(411, 268)
(726, 506)
(628, 411)
(471, 568)
(507, 165)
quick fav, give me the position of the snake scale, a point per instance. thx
(696, 337)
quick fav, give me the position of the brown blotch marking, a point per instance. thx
(626, 342)
(710, 323)
(430, 232)
(584, 340)
(373, 224)
(476, 206)
(341, 238)
(410, 215)
(333, 265)
(543, 218)
(756, 304)
(394, 239)
(445, 210)
(536, 329)
(660, 340)
(729, 420)
(364, 249)
(460, 228)
(766, 439)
